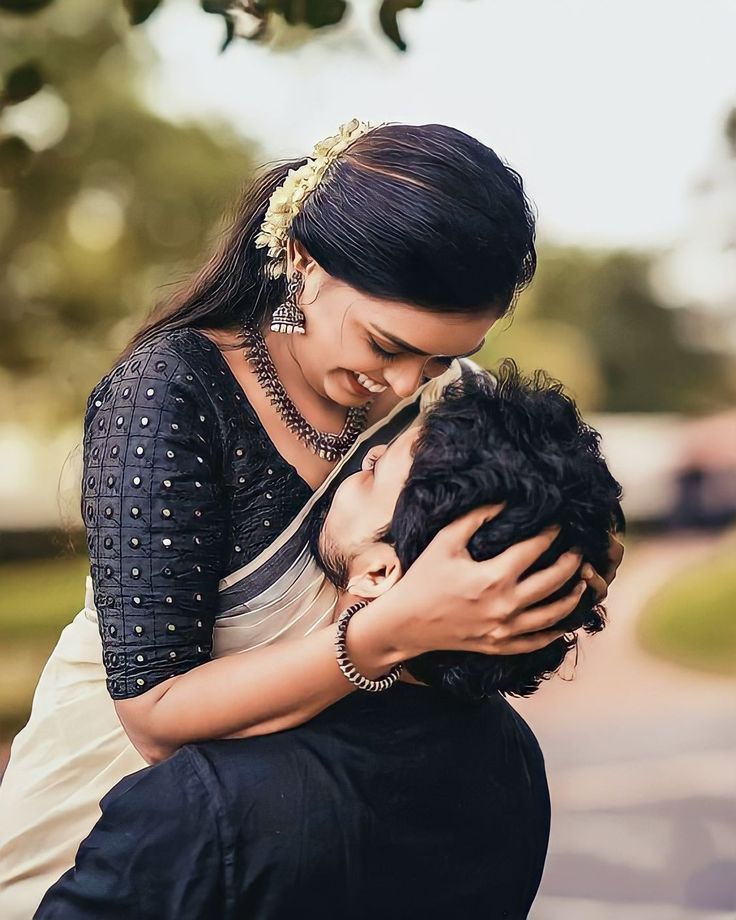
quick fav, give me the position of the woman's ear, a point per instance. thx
(374, 571)
(297, 258)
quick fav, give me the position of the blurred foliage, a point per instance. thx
(58, 593)
(56, 587)
(255, 19)
(23, 7)
(116, 203)
(140, 10)
(20, 84)
(16, 157)
(729, 131)
(690, 621)
(592, 319)
(388, 17)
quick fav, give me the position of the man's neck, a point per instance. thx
(344, 600)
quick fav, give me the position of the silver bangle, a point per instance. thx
(346, 665)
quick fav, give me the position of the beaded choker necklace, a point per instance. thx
(326, 445)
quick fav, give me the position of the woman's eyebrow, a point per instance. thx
(405, 346)
(400, 343)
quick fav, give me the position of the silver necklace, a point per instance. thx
(325, 444)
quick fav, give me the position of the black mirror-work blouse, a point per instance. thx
(181, 486)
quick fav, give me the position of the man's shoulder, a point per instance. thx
(499, 709)
(411, 720)
(502, 737)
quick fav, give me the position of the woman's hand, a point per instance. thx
(600, 581)
(446, 600)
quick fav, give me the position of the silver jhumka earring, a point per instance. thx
(288, 318)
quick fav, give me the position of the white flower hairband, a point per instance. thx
(288, 198)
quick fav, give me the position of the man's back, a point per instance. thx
(405, 804)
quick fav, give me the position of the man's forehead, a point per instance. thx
(401, 447)
(408, 435)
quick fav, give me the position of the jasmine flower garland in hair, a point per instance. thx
(287, 199)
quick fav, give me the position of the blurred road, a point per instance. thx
(641, 758)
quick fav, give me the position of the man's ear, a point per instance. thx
(374, 570)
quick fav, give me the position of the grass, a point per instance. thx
(37, 600)
(692, 621)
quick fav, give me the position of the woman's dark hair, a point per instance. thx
(520, 441)
(423, 214)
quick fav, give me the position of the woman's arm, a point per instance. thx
(445, 601)
(253, 693)
(155, 508)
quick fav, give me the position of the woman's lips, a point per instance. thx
(374, 386)
(356, 387)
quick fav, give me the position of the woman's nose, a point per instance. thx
(404, 378)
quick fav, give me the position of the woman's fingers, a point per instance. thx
(458, 533)
(540, 585)
(597, 583)
(544, 616)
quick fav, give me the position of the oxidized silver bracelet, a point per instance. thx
(346, 665)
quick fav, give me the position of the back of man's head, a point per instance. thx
(518, 441)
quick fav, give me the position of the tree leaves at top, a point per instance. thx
(20, 84)
(388, 17)
(15, 159)
(250, 18)
(96, 228)
(729, 129)
(313, 13)
(140, 10)
(243, 18)
(23, 7)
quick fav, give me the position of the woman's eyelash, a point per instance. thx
(393, 355)
(381, 352)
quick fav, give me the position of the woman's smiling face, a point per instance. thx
(358, 345)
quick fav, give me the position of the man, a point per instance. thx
(428, 800)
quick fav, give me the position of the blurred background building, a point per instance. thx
(122, 151)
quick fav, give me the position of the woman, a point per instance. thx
(348, 282)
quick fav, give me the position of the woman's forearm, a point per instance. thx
(256, 692)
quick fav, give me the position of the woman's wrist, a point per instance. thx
(373, 642)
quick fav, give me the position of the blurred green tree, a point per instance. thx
(116, 204)
(281, 23)
(593, 320)
(119, 202)
(255, 19)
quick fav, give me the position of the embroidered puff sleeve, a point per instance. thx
(154, 511)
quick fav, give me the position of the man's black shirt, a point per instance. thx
(406, 804)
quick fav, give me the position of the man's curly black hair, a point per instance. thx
(521, 441)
